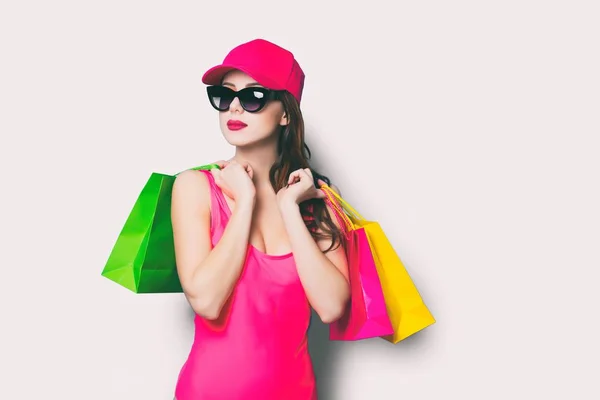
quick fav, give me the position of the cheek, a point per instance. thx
(267, 123)
(273, 115)
(223, 119)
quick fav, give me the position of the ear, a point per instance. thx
(284, 120)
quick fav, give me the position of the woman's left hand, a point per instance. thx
(300, 187)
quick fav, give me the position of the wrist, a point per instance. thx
(287, 205)
(245, 202)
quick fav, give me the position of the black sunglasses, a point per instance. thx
(252, 99)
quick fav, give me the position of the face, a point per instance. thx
(242, 128)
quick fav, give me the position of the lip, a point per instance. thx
(236, 125)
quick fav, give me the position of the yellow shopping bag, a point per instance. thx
(406, 308)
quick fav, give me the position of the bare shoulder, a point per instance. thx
(190, 187)
(191, 177)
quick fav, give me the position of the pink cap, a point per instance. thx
(269, 64)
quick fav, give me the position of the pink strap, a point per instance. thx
(217, 197)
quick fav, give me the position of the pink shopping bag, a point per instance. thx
(366, 315)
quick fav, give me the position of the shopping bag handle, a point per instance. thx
(353, 213)
(340, 215)
(206, 166)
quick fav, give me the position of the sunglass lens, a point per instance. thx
(220, 97)
(252, 99)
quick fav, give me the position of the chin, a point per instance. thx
(239, 139)
(239, 142)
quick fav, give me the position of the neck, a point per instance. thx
(261, 158)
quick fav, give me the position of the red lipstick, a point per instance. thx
(235, 125)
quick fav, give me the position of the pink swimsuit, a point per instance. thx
(258, 348)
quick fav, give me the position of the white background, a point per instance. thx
(468, 129)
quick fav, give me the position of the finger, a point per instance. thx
(246, 166)
(221, 163)
(308, 172)
(320, 194)
(321, 182)
(219, 181)
(299, 174)
(293, 176)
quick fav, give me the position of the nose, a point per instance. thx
(235, 105)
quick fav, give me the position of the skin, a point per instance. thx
(269, 221)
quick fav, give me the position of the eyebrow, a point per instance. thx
(248, 85)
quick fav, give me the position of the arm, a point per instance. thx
(323, 275)
(207, 275)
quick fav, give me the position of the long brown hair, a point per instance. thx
(293, 153)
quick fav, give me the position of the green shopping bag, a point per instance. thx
(143, 257)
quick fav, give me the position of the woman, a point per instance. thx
(256, 245)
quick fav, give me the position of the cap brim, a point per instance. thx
(214, 76)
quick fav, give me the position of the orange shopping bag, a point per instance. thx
(406, 308)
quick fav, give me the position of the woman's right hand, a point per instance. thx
(235, 180)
